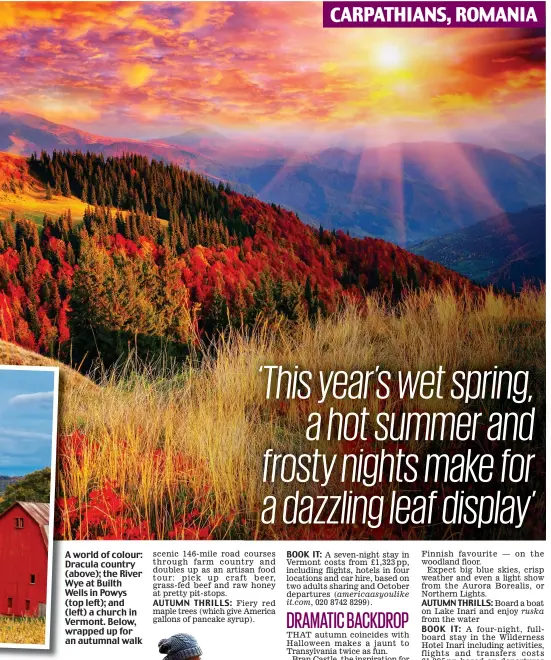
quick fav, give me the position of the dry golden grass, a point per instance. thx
(23, 194)
(30, 202)
(22, 630)
(33, 205)
(216, 416)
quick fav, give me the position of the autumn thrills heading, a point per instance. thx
(455, 14)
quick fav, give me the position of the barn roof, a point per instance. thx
(39, 512)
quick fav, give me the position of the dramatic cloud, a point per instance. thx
(144, 69)
(25, 435)
(22, 451)
(36, 399)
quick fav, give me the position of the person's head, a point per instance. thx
(180, 647)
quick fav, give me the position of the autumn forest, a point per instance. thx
(165, 257)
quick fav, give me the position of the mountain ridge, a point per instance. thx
(180, 257)
(504, 250)
(403, 192)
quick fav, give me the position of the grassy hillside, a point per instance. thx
(24, 195)
(182, 315)
(198, 431)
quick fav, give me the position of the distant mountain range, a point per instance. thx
(404, 193)
(505, 250)
(6, 481)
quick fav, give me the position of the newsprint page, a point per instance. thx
(272, 330)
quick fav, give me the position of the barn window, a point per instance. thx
(19, 523)
(27, 605)
(10, 603)
(33, 578)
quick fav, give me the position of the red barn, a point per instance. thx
(24, 559)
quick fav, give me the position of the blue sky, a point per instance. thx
(26, 419)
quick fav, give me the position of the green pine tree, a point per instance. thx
(65, 185)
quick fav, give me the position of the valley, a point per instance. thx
(505, 250)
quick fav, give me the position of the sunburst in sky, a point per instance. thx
(150, 69)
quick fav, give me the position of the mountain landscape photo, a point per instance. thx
(403, 192)
(187, 199)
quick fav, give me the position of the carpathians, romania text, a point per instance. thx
(416, 15)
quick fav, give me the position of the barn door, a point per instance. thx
(10, 598)
(42, 609)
